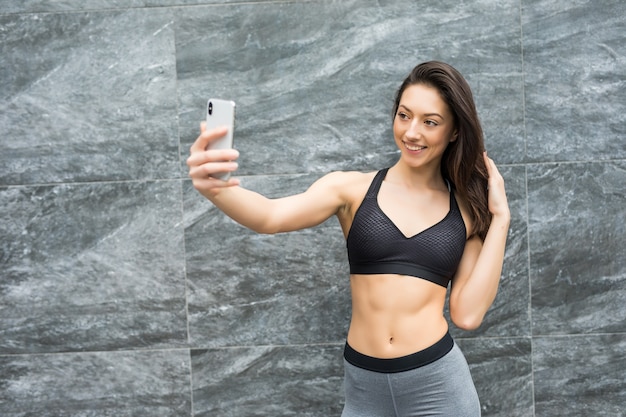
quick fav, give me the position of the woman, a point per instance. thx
(439, 215)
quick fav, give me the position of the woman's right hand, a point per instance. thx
(203, 162)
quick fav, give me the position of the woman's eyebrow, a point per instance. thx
(426, 115)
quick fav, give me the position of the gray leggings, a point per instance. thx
(441, 388)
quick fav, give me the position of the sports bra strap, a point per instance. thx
(372, 191)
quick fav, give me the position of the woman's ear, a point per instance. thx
(454, 136)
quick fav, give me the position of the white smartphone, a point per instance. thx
(221, 113)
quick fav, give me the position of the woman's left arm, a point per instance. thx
(475, 284)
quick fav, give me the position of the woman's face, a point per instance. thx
(423, 126)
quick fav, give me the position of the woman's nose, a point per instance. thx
(413, 131)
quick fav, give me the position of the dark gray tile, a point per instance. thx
(91, 267)
(87, 97)
(103, 384)
(502, 372)
(580, 376)
(577, 228)
(246, 288)
(509, 313)
(268, 381)
(315, 94)
(574, 79)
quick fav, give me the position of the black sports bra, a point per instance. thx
(376, 245)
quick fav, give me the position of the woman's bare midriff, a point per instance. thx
(395, 315)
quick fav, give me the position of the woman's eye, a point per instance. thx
(431, 123)
(403, 116)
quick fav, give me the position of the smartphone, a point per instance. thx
(221, 113)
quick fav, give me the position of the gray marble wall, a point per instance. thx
(124, 293)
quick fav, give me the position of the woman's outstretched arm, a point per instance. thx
(253, 210)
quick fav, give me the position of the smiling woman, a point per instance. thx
(462, 161)
(438, 217)
(423, 126)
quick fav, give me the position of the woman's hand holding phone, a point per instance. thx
(207, 165)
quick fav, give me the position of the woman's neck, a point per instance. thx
(416, 178)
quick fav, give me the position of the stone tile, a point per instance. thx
(580, 376)
(315, 94)
(576, 228)
(41, 6)
(268, 381)
(87, 97)
(502, 372)
(91, 267)
(246, 288)
(92, 90)
(574, 79)
(103, 384)
(509, 314)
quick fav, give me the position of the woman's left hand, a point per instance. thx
(498, 205)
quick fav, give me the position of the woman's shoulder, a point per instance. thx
(348, 180)
(351, 187)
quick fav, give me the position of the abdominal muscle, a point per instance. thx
(395, 315)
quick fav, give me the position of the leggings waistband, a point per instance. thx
(403, 363)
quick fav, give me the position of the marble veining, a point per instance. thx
(268, 381)
(581, 374)
(39, 6)
(124, 292)
(300, 84)
(574, 58)
(87, 97)
(577, 227)
(100, 384)
(246, 288)
(502, 372)
(91, 267)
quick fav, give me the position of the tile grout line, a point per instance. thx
(182, 216)
(530, 295)
(184, 178)
(290, 345)
(528, 264)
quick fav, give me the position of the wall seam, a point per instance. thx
(528, 263)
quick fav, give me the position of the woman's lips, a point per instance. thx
(413, 147)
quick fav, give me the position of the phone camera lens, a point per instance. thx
(210, 108)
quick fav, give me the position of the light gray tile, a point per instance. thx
(580, 376)
(577, 230)
(91, 267)
(574, 79)
(502, 372)
(40, 6)
(246, 288)
(102, 384)
(268, 381)
(87, 97)
(315, 94)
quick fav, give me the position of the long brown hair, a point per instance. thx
(462, 163)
